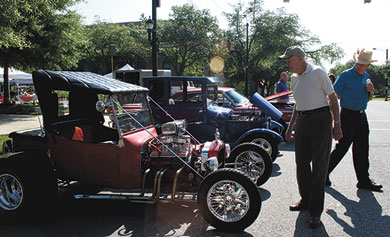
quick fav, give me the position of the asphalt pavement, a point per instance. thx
(16, 122)
(348, 211)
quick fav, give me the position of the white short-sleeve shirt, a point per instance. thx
(311, 88)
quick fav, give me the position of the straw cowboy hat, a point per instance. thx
(364, 57)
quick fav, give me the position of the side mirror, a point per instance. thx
(100, 106)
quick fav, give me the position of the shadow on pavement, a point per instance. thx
(118, 218)
(302, 226)
(365, 214)
(275, 170)
(265, 194)
(288, 146)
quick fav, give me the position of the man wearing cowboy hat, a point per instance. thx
(355, 89)
(311, 121)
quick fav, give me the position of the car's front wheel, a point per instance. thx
(229, 200)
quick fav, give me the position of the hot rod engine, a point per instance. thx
(174, 145)
(174, 140)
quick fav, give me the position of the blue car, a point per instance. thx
(204, 116)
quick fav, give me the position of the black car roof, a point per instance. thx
(207, 80)
(68, 80)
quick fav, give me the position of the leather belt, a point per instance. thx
(313, 111)
(352, 111)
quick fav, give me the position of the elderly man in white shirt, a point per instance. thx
(315, 102)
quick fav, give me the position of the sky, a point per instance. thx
(350, 24)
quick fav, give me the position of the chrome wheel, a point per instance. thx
(251, 163)
(228, 201)
(264, 143)
(11, 192)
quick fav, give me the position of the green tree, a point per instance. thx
(130, 41)
(187, 39)
(269, 34)
(42, 34)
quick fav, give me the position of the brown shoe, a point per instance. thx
(314, 222)
(299, 206)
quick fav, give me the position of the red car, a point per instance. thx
(130, 162)
(285, 107)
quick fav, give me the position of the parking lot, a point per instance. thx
(348, 211)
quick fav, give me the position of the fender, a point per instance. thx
(273, 134)
(211, 149)
(276, 125)
(214, 149)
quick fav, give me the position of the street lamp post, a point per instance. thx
(246, 62)
(387, 63)
(151, 27)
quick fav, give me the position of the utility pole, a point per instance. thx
(155, 4)
(246, 62)
(386, 75)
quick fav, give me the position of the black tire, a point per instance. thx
(27, 187)
(267, 142)
(253, 160)
(224, 184)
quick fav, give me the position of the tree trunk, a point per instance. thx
(7, 100)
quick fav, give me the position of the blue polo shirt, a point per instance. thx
(351, 87)
(280, 87)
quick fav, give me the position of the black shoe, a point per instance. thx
(327, 182)
(299, 206)
(370, 185)
(314, 222)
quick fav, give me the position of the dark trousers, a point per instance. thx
(355, 131)
(313, 140)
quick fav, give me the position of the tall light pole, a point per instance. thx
(386, 76)
(386, 63)
(151, 26)
(246, 62)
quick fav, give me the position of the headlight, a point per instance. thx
(212, 163)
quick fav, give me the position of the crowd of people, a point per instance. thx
(317, 118)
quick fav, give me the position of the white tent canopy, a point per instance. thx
(125, 68)
(108, 75)
(16, 76)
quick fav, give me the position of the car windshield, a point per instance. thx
(236, 97)
(133, 104)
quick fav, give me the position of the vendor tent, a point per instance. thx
(108, 75)
(125, 68)
(15, 76)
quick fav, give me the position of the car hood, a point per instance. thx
(278, 95)
(248, 106)
(266, 107)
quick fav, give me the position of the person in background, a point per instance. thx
(355, 89)
(314, 101)
(282, 86)
(332, 77)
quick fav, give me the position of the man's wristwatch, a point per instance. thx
(337, 122)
